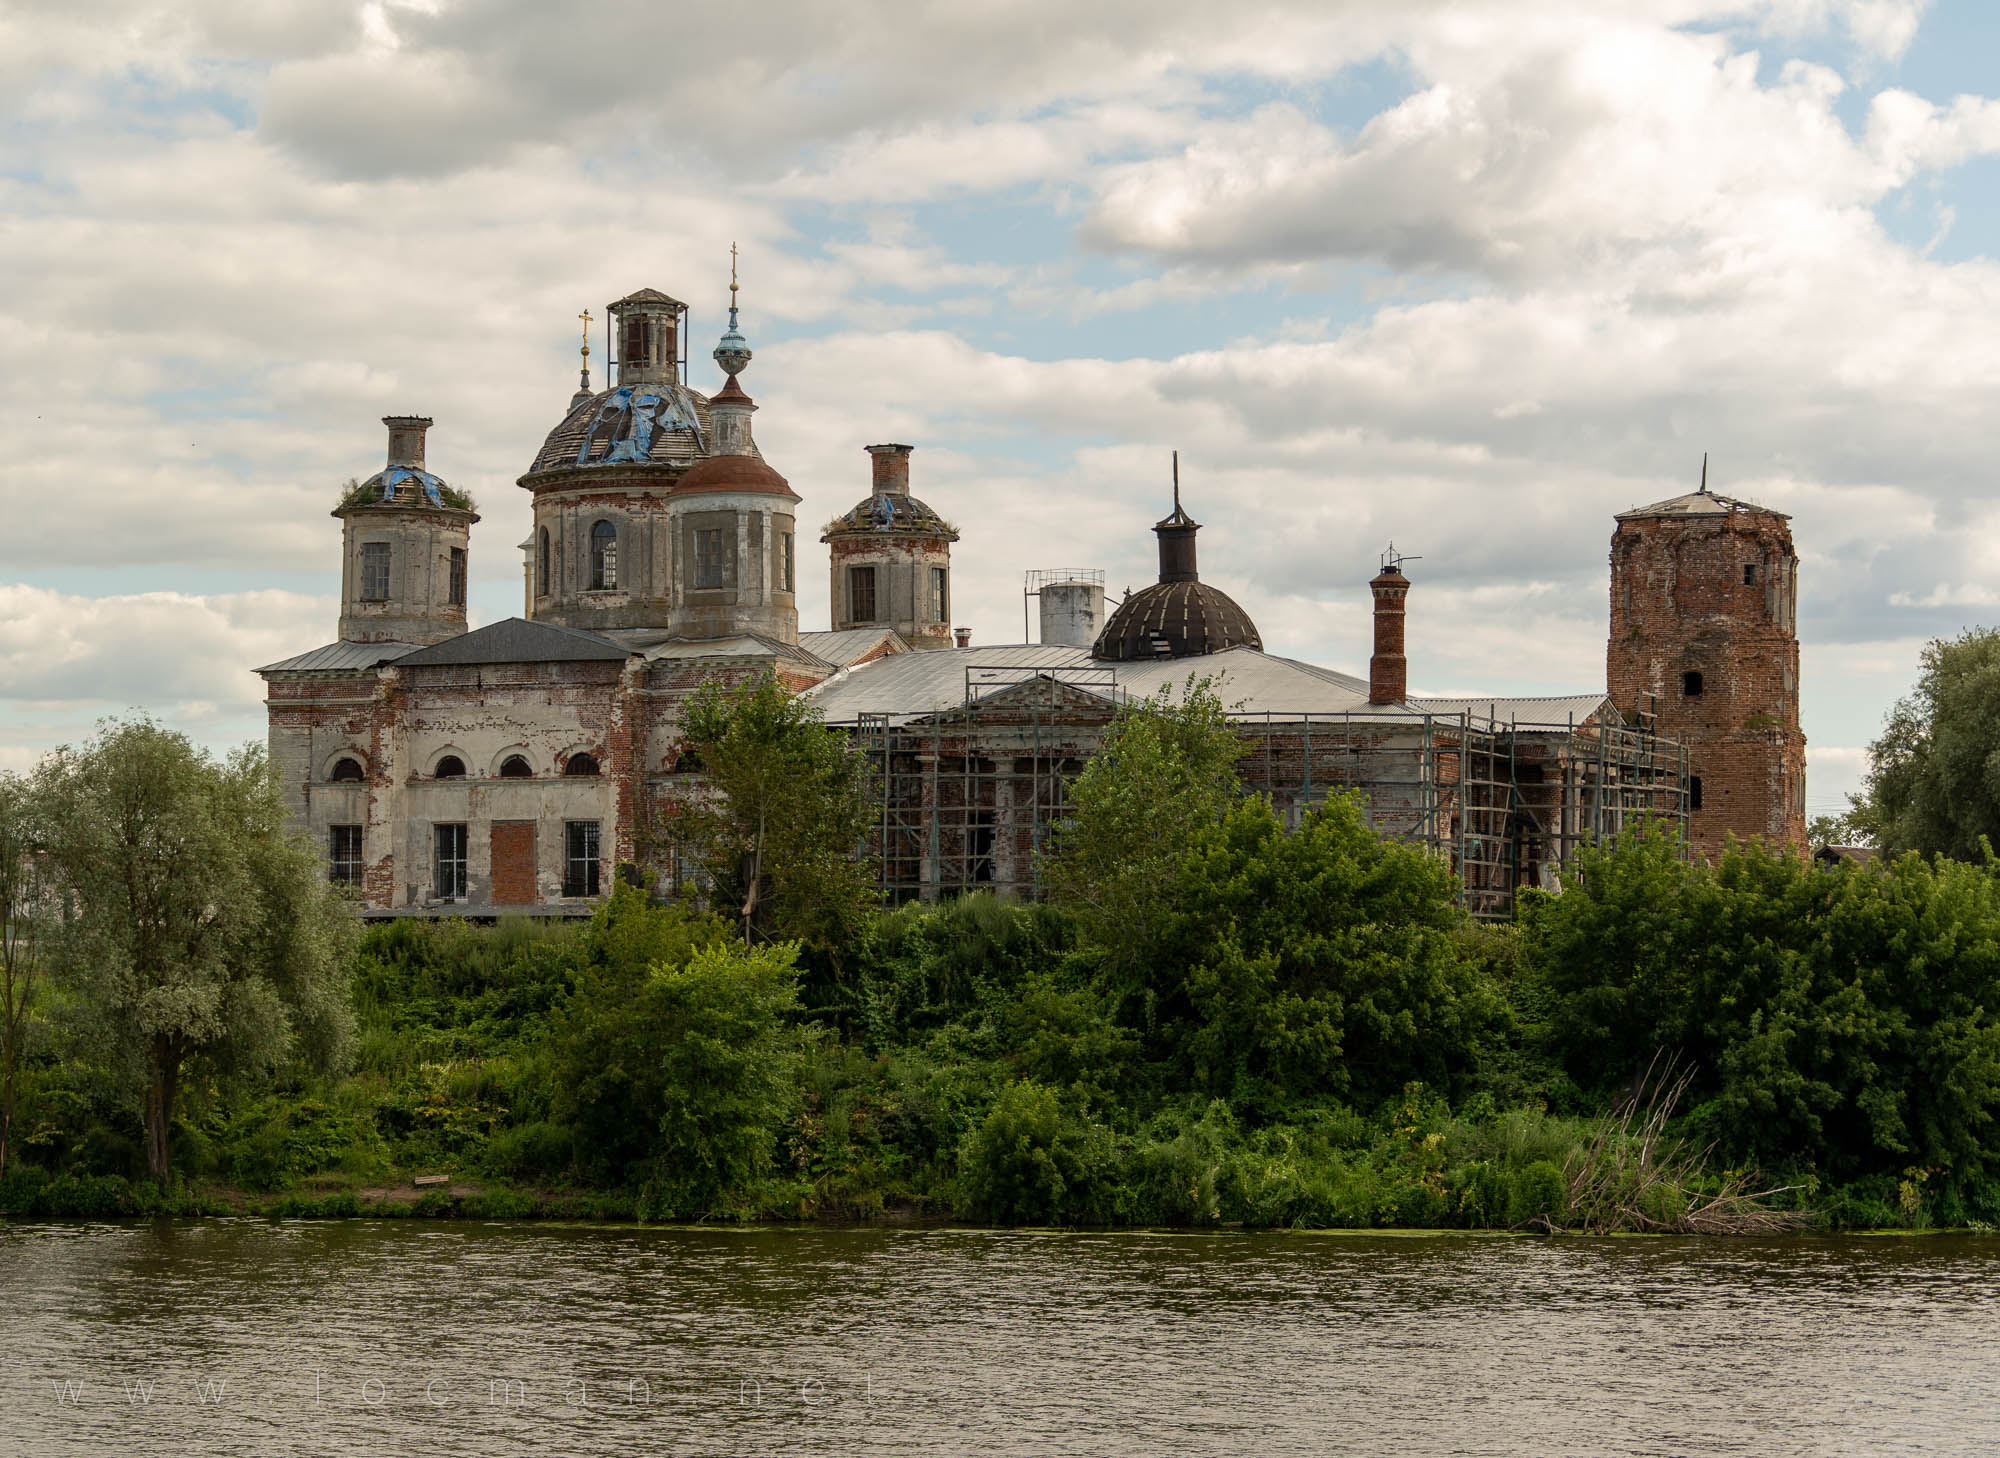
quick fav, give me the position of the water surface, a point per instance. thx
(362, 1337)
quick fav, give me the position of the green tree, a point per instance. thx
(790, 806)
(24, 913)
(677, 1055)
(1933, 782)
(1165, 772)
(198, 934)
(1320, 962)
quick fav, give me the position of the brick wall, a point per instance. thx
(1681, 606)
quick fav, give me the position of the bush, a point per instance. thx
(1022, 1166)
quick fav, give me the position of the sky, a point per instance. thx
(1468, 276)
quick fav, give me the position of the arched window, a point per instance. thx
(580, 765)
(604, 556)
(542, 563)
(687, 762)
(346, 769)
(513, 767)
(451, 767)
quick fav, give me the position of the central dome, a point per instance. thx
(659, 424)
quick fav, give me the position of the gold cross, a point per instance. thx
(585, 316)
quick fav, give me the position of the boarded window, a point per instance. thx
(708, 564)
(861, 594)
(940, 595)
(374, 571)
(514, 863)
(604, 556)
(346, 770)
(457, 598)
(449, 870)
(580, 863)
(343, 855)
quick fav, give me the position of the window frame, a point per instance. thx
(710, 574)
(604, 555)
(542, 563)
(455, 578)
(450, 876)
(345, 865)
(376, 570)
(940, 594)
(583, 857)
(857, 574)
(790, 563)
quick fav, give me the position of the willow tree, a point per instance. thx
(198, 936)
(24, 915)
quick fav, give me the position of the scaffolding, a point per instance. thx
(966, 797)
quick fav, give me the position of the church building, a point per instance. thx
(512, 767)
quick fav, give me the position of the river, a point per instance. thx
(385, 1337)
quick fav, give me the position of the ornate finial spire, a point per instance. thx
(733, 353)
(1177, 483)
(583, 377)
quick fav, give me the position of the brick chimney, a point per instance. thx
(892, 469)
(963, 636)
(1388, 669)
(406, 439)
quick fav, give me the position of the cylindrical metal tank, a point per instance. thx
(1072, 612)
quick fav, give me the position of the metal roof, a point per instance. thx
(1696, 503)
(516, 640)
(738, 645)
(843, 646)
(1250, 683)
(340, 658)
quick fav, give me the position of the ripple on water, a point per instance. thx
(254, 1337)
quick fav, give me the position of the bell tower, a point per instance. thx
(1704, 643)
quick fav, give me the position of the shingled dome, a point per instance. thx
(1179, 616)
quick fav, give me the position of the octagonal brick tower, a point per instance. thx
(1704, 643)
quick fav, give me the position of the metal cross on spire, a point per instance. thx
(732, 285)
(584, 374)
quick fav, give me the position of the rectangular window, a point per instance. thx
(343, 854)
(861, 594)
(374, 571)
(790, 564)
(708, 557)
(580, 858)
(457, 577)
(450, 880)
(940, 596)
(1749, 574)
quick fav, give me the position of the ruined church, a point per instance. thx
(513, 767)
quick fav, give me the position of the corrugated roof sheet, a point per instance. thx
(516, 640)
(843, 647)
(1250, 683)
(340, 658)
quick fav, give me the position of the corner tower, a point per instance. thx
(733, 521)
(1704, 642)
(403, 559)
(892, 558)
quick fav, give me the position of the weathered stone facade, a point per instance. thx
(1704, 646)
